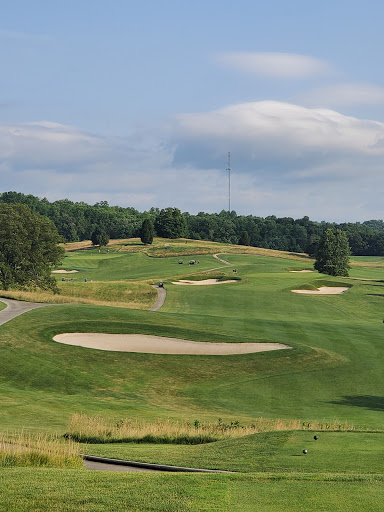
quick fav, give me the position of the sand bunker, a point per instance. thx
(300, 271)
(204, 282)
(324, 290)
(160, 345)
(64, 271)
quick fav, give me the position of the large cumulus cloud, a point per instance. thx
(286, 159)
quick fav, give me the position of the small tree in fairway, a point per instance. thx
(333, 252)
(147, 231)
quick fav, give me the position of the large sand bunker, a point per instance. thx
(300, 271)
(204, 282)
(160, 345)
(324, 290)
(64, 271)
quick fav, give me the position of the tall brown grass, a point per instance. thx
(21, 449)
(95, 429)
(139, 295)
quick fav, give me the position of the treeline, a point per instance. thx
(78, 221)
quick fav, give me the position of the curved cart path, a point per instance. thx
(161, 295)
(102, 463)
(16, 307)
(217, 256)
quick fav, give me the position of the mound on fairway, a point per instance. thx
(324, 290)
(204, 282)
(160, 345)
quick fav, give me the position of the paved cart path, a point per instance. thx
(161, 295)
(106, 464)
(16, 307)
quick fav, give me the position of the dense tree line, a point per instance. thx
(77, 221)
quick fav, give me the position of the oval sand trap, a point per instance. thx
(300, 271)
(64, 271)
(324, 290)
(160, 345)
(204, 282)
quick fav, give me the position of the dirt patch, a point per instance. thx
(204, 282)
(324, 290)
(160, 345)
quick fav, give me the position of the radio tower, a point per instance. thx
(229, 181)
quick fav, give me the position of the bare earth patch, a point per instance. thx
(204, 282)
(300, 271)
(324, 290)
(64, 271)
(160, 345)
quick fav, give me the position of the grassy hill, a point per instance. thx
(334, 372)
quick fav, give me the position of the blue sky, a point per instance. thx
(138, 103)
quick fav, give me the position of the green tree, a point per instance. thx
(99, 237)
(28, 248)
(244, 239)
(147, 231)
(333, 252)
(170, 223)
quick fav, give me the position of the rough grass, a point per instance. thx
(121, 294)
(22, 449)
(163, 248)
(97, 429)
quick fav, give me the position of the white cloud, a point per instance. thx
(276, 65)
(343, 95)
(287, 160)
(268, 132)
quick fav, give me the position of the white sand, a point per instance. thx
(204, 282)
(160, 345)
(324, 290)
(64, 271)
(300, 271)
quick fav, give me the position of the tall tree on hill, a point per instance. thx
(99, 237)
(28, 248)
(244, 239)
(170, 223)
(147, 231)
(333, 252)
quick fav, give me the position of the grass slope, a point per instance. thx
(333, 371)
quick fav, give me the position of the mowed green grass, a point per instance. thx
(350, 453)
(333, 371)
(333, 339)
(131, 266)
(37, 490)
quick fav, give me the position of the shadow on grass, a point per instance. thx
(375, 403)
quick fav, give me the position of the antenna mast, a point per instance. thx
(229, 181)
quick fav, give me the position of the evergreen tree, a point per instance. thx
(333, 252)
(147, 231)
(244, 239)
